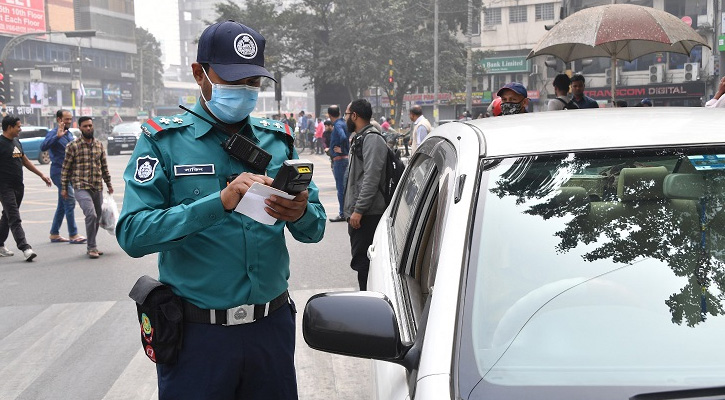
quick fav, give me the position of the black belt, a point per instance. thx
(243, 314)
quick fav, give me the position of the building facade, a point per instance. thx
(88, 75)
(511, 28)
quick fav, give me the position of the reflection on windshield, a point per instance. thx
(606, 266)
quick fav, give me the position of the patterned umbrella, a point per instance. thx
(617, 31)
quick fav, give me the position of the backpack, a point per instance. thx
(394, 166)
(570, 105)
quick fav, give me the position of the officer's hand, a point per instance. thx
(287, 210)
(233, 193)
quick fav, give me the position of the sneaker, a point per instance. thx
(29, 254)
(4, 252)
(339, 218)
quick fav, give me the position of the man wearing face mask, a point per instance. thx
(85, 167)
(514, 98)
(228, 271)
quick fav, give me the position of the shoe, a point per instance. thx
(93, 253)
(78, 240)
(29, 254)
(339, 218)
(4, 252)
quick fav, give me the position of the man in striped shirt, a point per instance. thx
(85, 168)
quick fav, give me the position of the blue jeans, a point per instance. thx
(339, 170)
(65, 208)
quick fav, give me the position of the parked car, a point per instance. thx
(31, 137)
(556, 255)
(123, 137)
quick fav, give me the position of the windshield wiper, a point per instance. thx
(681, 394)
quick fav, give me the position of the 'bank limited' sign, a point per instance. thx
(505, 65)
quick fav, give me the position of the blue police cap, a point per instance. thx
(233, 50)
(516, 87)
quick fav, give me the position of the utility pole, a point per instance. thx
(435, 63)
(141, 84)
(469, 59)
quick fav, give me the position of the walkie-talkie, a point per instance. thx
(240, 147)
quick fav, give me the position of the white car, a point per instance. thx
(557, 255)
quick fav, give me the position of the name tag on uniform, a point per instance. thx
(198, 169)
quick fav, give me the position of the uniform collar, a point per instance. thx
(201, 127)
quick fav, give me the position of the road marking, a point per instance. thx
(29, 350)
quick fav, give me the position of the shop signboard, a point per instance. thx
(22, 16)
(505, 65)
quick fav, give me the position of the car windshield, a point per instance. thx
(598, 269)
(130, 128)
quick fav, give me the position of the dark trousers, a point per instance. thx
(360, 240)
(11, 196)
(249, 361)
(339, 169)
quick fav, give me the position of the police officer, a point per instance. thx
(230, 271)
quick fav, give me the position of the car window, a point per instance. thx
(26, 133)
(418, 221)
(586, 267)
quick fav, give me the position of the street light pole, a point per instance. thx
(469, 59)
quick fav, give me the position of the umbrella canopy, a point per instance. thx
(617, 31)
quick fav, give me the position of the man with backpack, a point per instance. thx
(561, 88)
(365, 201)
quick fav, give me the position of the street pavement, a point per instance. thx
(69, 330)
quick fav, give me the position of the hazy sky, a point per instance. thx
(161, 18)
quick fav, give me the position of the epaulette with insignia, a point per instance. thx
(276, 126)
(152, 127)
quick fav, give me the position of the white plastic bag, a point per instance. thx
(109, 214)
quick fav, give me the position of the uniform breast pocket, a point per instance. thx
(188, 189)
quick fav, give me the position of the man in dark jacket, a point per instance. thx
(364, 202)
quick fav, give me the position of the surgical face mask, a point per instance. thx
(511, 108)
(231, 103)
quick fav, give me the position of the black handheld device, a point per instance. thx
(294, 176)
(240, 147)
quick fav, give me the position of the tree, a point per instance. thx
(148, 56)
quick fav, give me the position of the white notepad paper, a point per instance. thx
(252, 204)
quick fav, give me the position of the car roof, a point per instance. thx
(597, 129)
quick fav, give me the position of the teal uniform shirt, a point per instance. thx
(213, 258)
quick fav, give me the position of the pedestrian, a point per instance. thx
(54, 143)
(561, 89)
(311, 132)
(514, 98)
(12, 161)
(620, 103)
(718, 100)
(85, 168)
(229, 271)
(421, 127)
(340, 145)
(385, 125)
(302, 125)
(292, 122)
(577, 92)
(326, 136)
(319, 140)
(364, 201)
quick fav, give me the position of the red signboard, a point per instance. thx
(22, 16)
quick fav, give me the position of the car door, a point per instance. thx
(404, 254)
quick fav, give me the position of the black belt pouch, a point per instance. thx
(160, 314)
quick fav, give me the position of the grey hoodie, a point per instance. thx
(362, 191)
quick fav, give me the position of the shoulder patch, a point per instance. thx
(152, 127)
(145, 169)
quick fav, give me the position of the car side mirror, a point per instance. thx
(357, 324)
